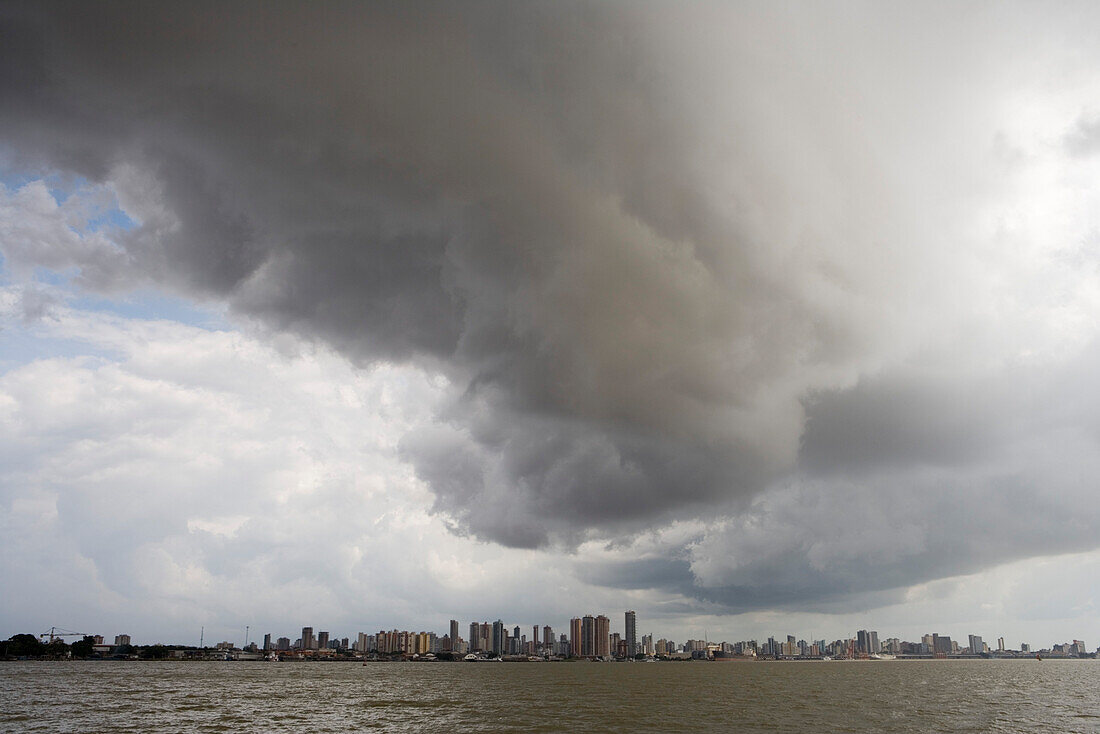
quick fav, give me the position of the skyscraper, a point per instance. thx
(575, 625)
(475, 636)
(307, 638)
(588, 636)
(267, 642)
(498, 637)
(454, 634)
(867, 642)
(603, 636)
(322, 640)
(631, 634)
(548, 638)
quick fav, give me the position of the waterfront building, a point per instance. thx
(977, 647)
(322, 640)
(498, 642)
(454, 632)
(576, 625)
(307, 638)
(122, 640)
(631, 634)
(867, 642)
(603, 636)
(588, 636)
(267, 642)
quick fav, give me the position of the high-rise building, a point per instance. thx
(475, 637)
(498, 642)
(322, 640)
(122, 640)
(454, 634)
(603, 636)
(977, 646)
(267, 642)
(588, 636)
(308, 642)
(361, 643)
(631, 634)
(867, 642)
(942, 645)
(1000, 644)
(576, 626)
(283, 643)
(548, 638)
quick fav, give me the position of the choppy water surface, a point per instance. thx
(900, 696)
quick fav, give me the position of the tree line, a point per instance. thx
(29, 646)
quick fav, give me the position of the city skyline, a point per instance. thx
(740, 316)
(593, 636)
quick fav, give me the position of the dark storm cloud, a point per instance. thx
(503, 191)
(904, 481)
(640, 243)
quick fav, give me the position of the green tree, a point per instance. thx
(84, 648)
(56, 649)
(25, 646)
(154, 652)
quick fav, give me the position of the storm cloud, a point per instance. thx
(778, 270)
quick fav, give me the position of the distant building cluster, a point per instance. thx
(590, 636)
(587, 637)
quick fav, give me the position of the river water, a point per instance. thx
(886, 696)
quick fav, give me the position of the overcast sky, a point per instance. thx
(752, 317)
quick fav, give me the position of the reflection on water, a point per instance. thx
(909, 696)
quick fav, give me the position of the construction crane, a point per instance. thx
(57, 632)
